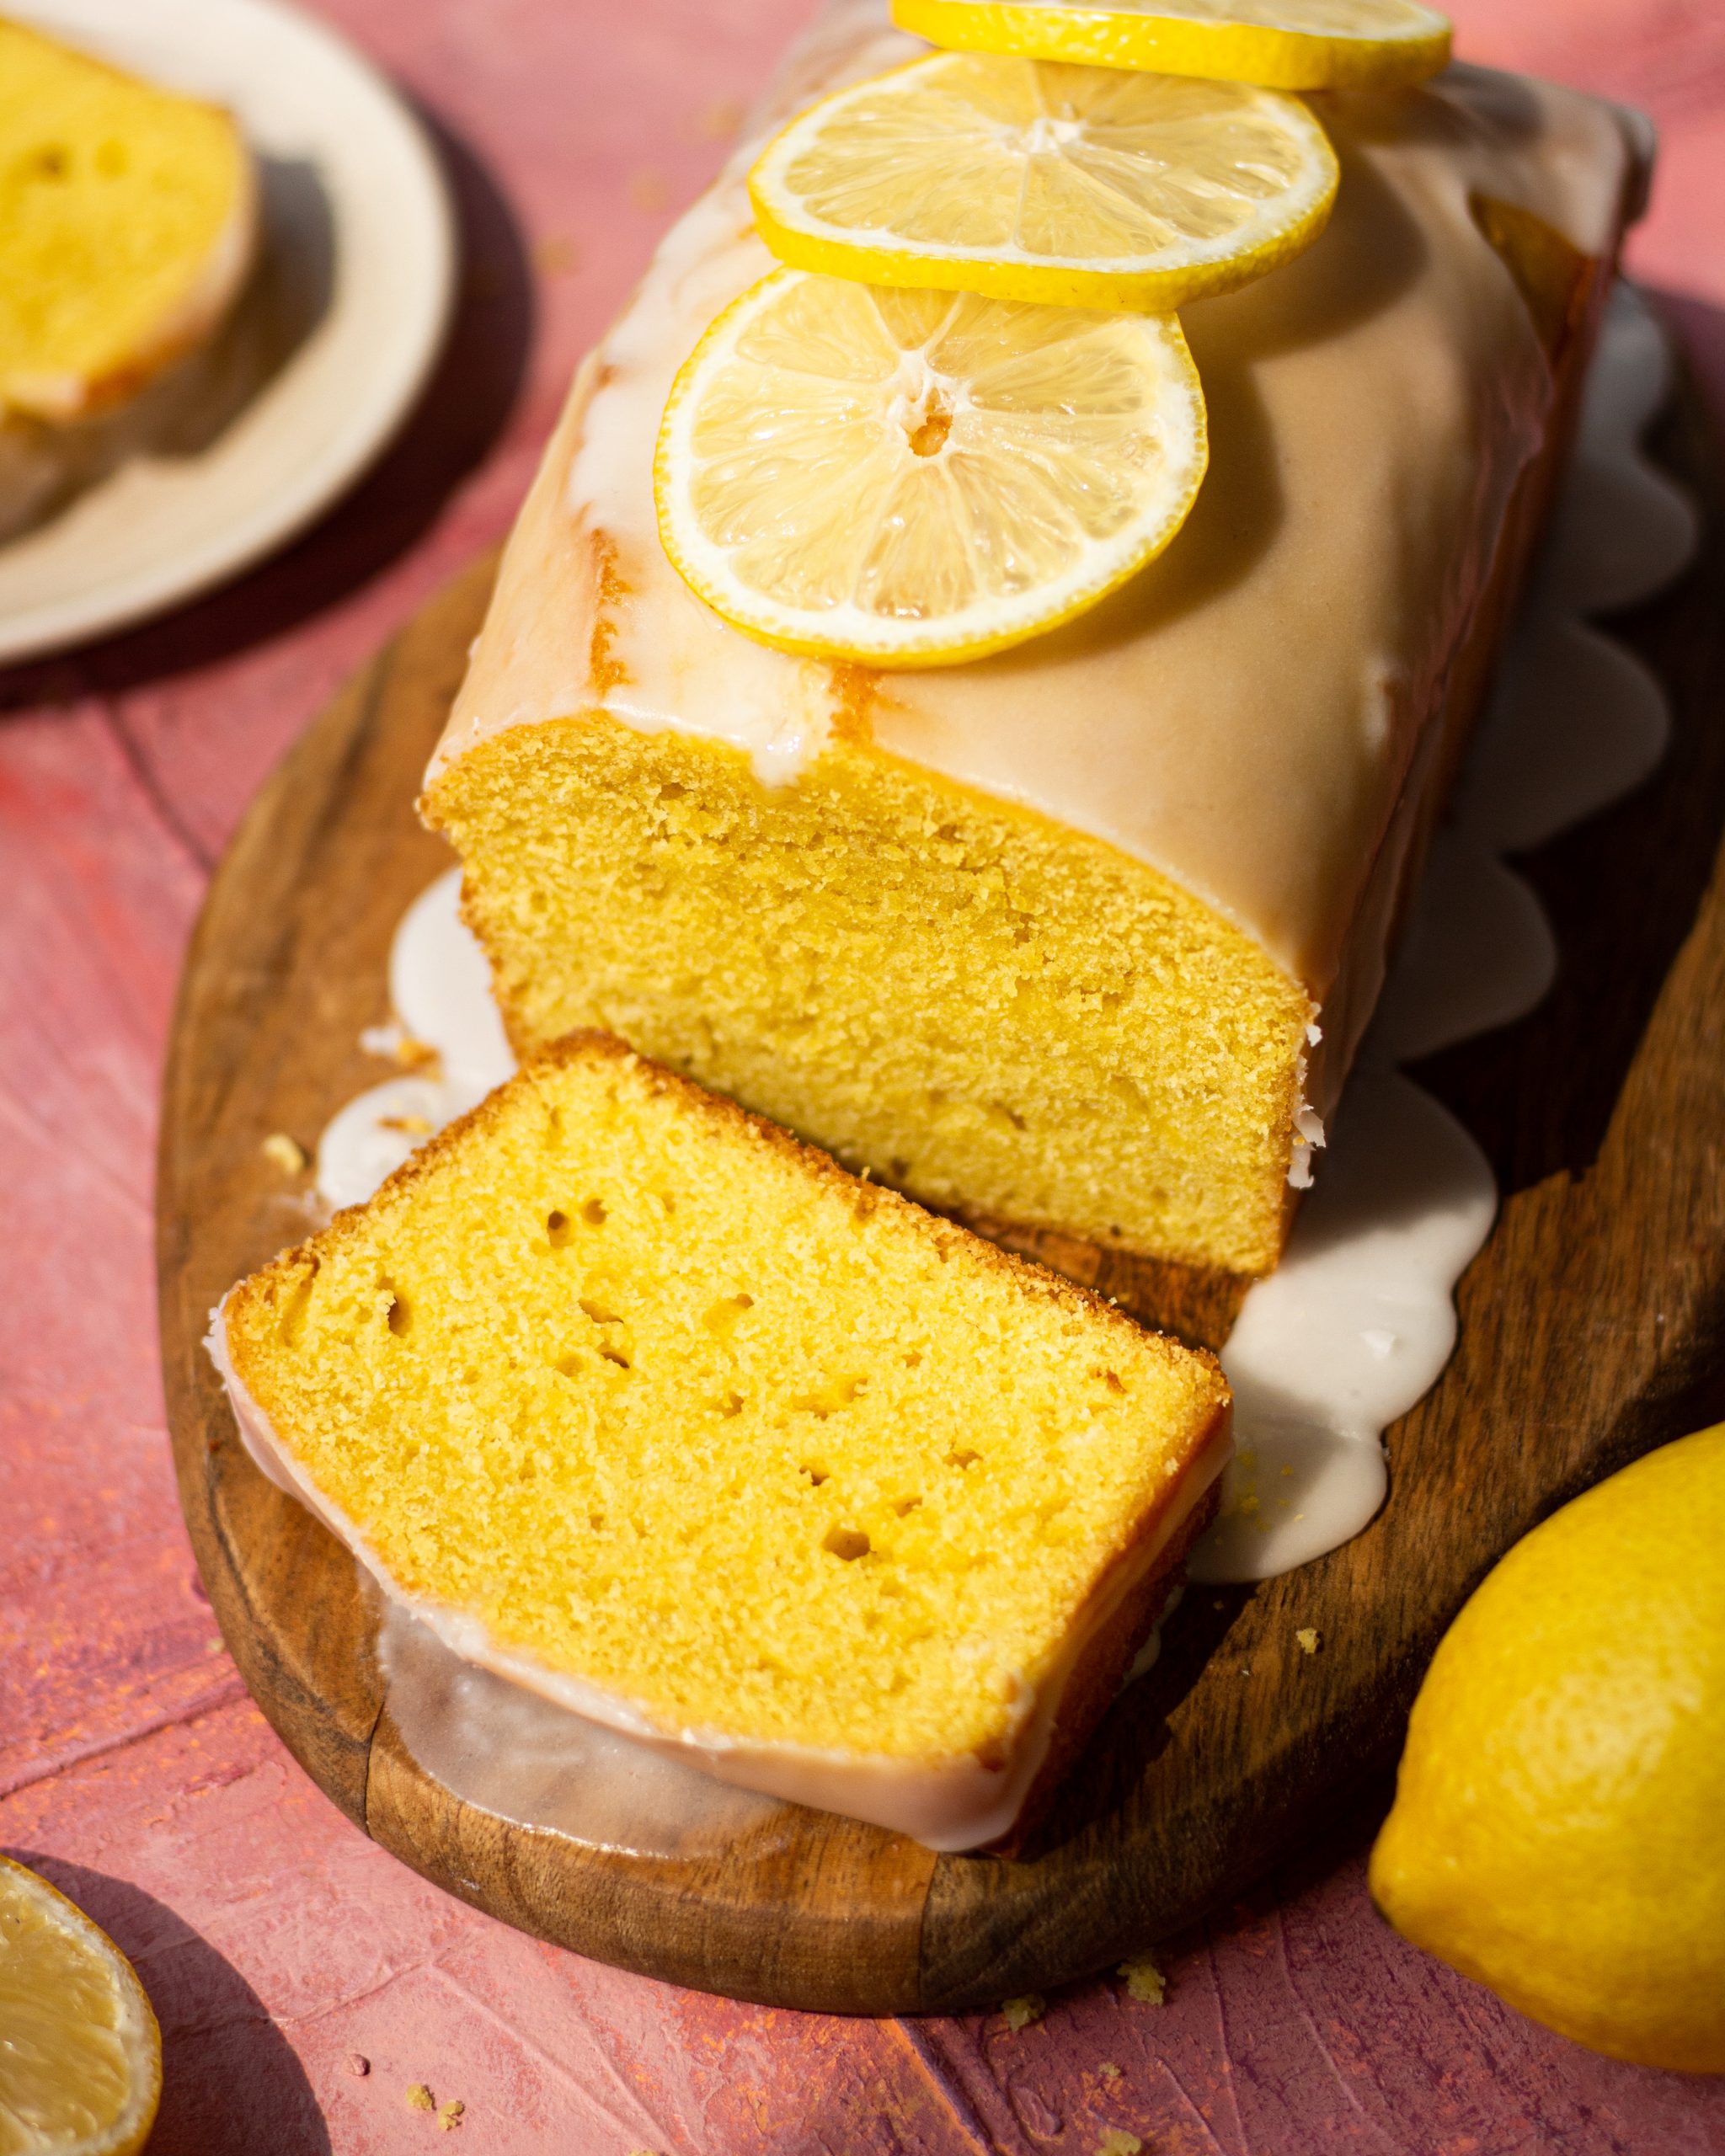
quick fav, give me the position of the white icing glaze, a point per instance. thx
(1349, 1332)
(1242, 716)
(1356, 1325)
(502, 1747)
(440, 988)
(958, 1803)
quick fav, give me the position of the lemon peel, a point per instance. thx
(1062, 186)
(1284, 45)
(1555, 1832)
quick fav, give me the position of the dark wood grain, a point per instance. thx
(1592, 1328)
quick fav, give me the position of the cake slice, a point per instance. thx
(1080, 938)
(127, 215)
(642, 1404)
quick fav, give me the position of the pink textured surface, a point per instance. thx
(274, 1939)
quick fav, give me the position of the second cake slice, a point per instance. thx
(645, 1406)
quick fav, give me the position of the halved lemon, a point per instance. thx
(80, 2053)
(1284, 45)
(910, 478)
(1029, 180)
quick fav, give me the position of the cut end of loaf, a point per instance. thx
(997, 1015)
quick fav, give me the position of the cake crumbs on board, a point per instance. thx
(1309, 1639)
(1109, 2071)
(1117, 2141)
(1145, 1981)
(418, 2098)
(1021, 2012)
(286, 1153)
(449, 2115)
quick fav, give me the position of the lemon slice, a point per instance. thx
(1027, 180)
(910, 478)
(80, 2053)
(1284, 45)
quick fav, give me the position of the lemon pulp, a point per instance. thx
(907, 478)
(1287, 44)
(80, 2053)
(1029, 180)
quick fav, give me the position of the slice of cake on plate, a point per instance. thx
(644, 1404)
(128, 218)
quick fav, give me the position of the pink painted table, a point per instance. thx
(278, 1944)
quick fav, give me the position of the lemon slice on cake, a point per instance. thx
(1284, 45)
(1066, 186)
(80, 2053)
(910, 478)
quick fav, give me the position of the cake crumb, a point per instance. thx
(1145, 1981)
(1309, 1639)
(1117, 2141)
(1020, 2013)
(358, 2065)
(284, 1153)
(1109, 2071)
(419, 2098)
(449, 2115)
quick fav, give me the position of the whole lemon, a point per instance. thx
(1558, 1831)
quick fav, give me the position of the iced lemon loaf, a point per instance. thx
(644, 1405)
(1083, 937)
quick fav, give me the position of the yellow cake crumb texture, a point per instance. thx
(675, 1407)
(1020, 2013)
(124, 210)
(1144, 1981)
(988, 1011)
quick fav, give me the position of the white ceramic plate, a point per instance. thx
(331, 344)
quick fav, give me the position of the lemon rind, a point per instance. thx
(898, 649)
(1227, 53)
(1056, 284)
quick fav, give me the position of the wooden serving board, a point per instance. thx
(1592, 1328)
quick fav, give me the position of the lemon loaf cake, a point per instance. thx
(1081, 937)
(127, 223)
(644, 1405)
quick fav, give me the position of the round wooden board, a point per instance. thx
(1593, 1326)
